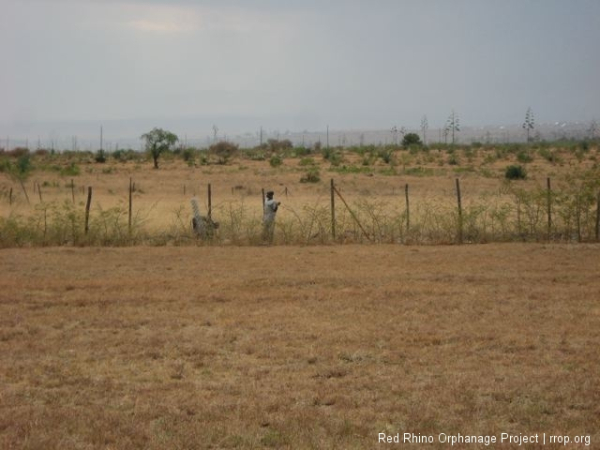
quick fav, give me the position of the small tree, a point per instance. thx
(411, 139)
(224, 151)
(158, 141)
(20, 170)
(529, 124)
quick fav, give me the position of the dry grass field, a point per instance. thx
(298, 347)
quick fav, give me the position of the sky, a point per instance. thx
(293, 65)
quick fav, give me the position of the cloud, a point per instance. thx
(182, 19)
(159, 26)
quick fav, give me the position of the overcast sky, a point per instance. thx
(296, 64)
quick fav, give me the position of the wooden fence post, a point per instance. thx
(130, 205)
(209, 213)
(549, 199)
(332, 209)
(460, 218)
(73, 190)
(87, 210)
(10, 196)
(597, 218)
(519, 218)
(352, 214)
(407, 208)
(39, 188)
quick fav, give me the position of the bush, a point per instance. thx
(307, 162)
(188, 154)
(524, 157)
(71, 170)
(276, 145)
(275, 161)
(224, 151)
(100, 156)
(312, 176)
(515, 173)
(411, 139)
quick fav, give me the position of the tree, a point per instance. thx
(223, 150)
(452, 125)
(411, 139)
(529, 124)
(158, 141)
(20, 170)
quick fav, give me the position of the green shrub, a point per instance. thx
(304, 162)
(70, 171)
(311, 176)
(188, 154)
(515, 173)
(524, 157)
(100, 156)
(453, 160)
(275, 161)
(411, 139)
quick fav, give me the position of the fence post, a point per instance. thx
(87, 210)
(597, 218)
(460, 218)
(209, 213)
(130, 205)
(73, 190)
(10, 197)
(39, 188)
(549, 199)
(332, 209)
(407, 208)
(519, 218)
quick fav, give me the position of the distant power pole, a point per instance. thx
(394, 132)
(327, 136)
(424, 128)
(452, 125)
(101, 143)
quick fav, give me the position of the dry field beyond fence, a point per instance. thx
(297, 347)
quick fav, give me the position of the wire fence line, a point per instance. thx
(555, 212)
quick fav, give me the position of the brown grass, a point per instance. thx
(296, 347)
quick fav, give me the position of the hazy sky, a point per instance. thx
(296, 64)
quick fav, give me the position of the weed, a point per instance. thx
(515, 173)
(71, 170)
(311, 176)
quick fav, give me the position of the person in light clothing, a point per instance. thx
(269, 211)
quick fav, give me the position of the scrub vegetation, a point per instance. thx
(505, 194)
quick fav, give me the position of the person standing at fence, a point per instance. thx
(269, 211)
